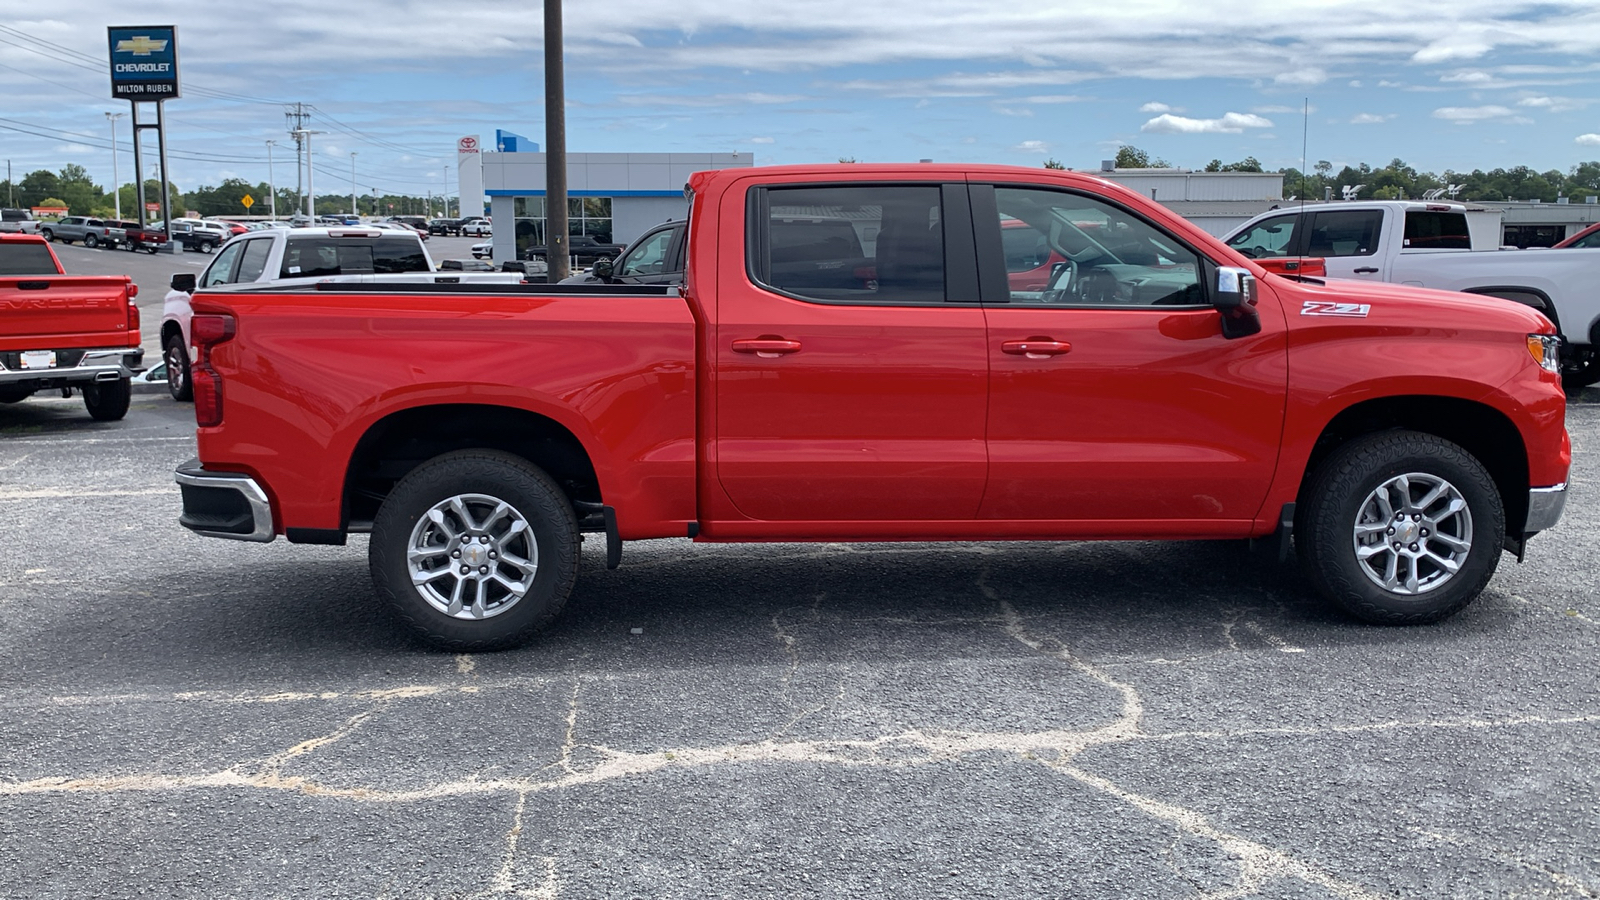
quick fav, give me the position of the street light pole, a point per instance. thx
(557, 246)
(311, 192)
(116, 179)
(272, 187)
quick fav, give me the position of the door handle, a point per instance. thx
(765, 347)
(1367, 270)
(1036, 348)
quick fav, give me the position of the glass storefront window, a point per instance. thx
(586, 216)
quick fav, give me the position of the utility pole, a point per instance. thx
(272, 187)
(116, 180)
(11, 189)
(297, 123)
(353, 210)
(557, 252)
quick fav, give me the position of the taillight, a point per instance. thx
(207, 330)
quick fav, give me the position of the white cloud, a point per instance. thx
(1369, 119)
(1462, 45)
(1463, 115)
(1282, 110)
(1553, 104)
(1588, 140)
(1055, 98)
(1154, 107)
(1308, 75)
(1230, 123)
(1032, 147)
(1013, 111)
(754, 140)
(1468, 76)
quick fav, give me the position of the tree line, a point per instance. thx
(72, 188)
(1398, 181)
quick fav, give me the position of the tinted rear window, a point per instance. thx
(15, 215)
(1429, 230)
(320, 257)
(26, 258)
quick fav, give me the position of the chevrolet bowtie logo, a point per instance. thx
(141, 45)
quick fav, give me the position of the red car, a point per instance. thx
(848, 359)
(1587, 239)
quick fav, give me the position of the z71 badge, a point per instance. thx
(1330, 308)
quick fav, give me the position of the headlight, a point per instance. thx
(1546, 351)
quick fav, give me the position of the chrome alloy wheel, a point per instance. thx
(1413, 533)
(472, 556)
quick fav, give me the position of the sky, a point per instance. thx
(1441, 84)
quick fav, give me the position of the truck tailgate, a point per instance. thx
(39, 312)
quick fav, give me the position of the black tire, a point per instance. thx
(48, 235)
(151, 249)
(1338, 501)
(176, 356)
(502, 477)
(91, 241)
(107, 401)
(1580, 367)
(207, 246)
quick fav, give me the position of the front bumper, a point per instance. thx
(73, 366)
(223, 504)
(1545, 506)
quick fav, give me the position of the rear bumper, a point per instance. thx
(1545, 506)
(223, 504)
(91, 365)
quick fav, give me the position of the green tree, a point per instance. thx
(1053, 163)
(36, 186)
(1131, 157)
(74, 185)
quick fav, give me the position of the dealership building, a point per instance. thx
(611, 197)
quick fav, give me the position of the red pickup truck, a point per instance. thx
(65, 332)
(849, 360)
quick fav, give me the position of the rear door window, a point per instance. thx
(1345, 232)
(1435, 230)
(860, 243)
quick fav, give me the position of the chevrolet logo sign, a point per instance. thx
(141, 45)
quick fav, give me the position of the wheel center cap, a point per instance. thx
(1407, 532)
(475, 554)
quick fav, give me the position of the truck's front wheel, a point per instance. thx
(176, 356)
(1400, 528)
(475, 550)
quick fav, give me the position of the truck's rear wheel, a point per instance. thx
(1400, 528)
(107, 401)
(475, 550)
(91, 241)
(176, 356)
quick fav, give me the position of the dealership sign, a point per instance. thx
(144, 62)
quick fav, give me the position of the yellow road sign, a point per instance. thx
(248, 201)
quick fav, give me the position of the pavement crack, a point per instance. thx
(505, 882)
(1258, 864)
(1500, 854)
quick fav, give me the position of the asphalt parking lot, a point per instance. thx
(186, 717)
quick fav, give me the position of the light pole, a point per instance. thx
(116, 180)
(311, 192)
(272, 187)
(445, 198)
(353, 211)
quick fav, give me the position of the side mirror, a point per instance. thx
(184, 281)
(604, 267)
(1235, 298)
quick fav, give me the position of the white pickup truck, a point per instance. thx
(293, 256)
(1442, 246)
